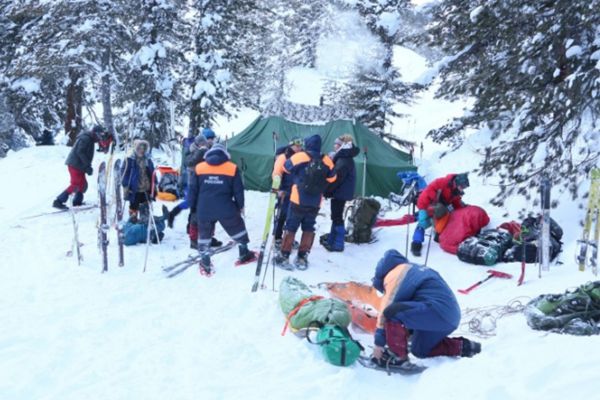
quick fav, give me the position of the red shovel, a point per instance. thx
(492, 274)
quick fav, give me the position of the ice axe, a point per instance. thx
(492, 274)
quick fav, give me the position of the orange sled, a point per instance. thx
(363, 301)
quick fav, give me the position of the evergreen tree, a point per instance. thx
(532, 70)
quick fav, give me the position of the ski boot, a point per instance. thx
(77, 199)
(60, 201)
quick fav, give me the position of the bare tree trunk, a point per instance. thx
(73, 119)
(106, 92)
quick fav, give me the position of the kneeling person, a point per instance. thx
(216, 194)
(416, 298)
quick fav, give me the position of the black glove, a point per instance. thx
(439, 211)
(89, 171)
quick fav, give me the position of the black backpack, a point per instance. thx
(363, 214)
(315, 177)
(487, 248)
(531, 229)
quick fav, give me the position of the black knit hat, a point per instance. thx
(462, 180)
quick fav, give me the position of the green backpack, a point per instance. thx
(339, 348)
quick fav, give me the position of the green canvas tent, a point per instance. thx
(253, 151)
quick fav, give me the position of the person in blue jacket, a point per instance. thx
(137, 178)
(216, 194)
(341, 191)
(417, 300)
(310, 171)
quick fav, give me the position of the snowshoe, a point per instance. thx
(206, 269)
(250, 257)
(402, 367)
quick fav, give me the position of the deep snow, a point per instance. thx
(70, 332)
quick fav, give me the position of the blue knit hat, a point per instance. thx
(208, 133)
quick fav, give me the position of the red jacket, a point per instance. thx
(445, 186)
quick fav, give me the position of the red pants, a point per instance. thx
(78, 181)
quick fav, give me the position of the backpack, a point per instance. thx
(531, 229)
(168, 184)
(487, 248)
(315, 177)
(338, 346)
(363, 215)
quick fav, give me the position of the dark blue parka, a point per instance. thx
(420, 284)
(216, 190)
(345, 170)
(131, 174)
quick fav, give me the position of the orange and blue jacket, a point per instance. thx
(216, 189)
(296, 167)
(284, 153)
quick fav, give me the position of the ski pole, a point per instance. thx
(492, 274)
(364, 177)
(431, 233)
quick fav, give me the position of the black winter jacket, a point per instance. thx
(82, 153)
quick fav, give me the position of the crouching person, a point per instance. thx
(216, 194)
(135, 230)
(419, 303)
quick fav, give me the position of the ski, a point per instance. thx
(76, 209)
(407, 368)
(591, 221)
(119, 210)
(76, 244)
(265, 239)
(178, 268)
(103, 225)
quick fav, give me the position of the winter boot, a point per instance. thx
(133, 216)
(328, 239)
(172, 214)
(246, 255)
(282, 258)
(306, 242)
(60, 201)
(415, 248)
(469, 347)
(340, 234)
(77, 199)
(164, 216)
(206, 267)
(277, 245)
(397, 352)
(214, 242)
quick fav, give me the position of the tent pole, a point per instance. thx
(364, 177)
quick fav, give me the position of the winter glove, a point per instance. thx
(440, 210)
(380, 337)
(89, 171)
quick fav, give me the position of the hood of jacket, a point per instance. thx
(347, 152)
(312, 144)
(389, 261)
(217, 155)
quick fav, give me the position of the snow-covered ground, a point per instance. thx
(69, 332)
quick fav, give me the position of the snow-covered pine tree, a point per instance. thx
(533, 70)
(154, 78)
(225, 63)
(64, 43)
(375, 88)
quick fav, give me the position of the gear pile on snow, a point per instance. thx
(575, 312)
(487, 248)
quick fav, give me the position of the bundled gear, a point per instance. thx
(315, 176)
(487, 248)
(575, 312)
(135, 231)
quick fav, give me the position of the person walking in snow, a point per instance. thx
(137, 178)
(415, 299)
(341, 191)
(216, 194)
(79, 163)
(311, 172)
(435, 203)
(285, 185)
